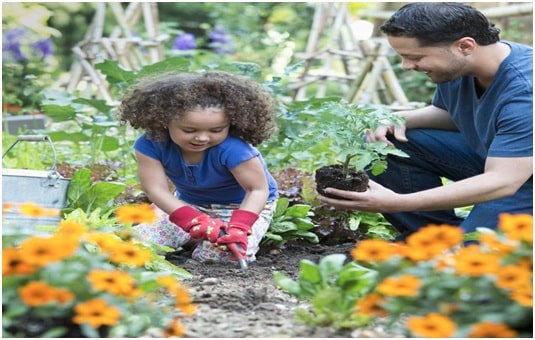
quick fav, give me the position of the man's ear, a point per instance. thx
(466, 45)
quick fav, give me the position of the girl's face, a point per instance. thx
(199, 129)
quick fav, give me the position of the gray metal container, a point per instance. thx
(47, 189)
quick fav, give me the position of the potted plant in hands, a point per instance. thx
(341, 128)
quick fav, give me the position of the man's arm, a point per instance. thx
(502, 178)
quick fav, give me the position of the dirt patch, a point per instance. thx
(235, 303)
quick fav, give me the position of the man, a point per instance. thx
(478, 131)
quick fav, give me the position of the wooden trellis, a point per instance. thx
(359, 68)
(130, 48)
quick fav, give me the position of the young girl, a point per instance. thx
(200, 133)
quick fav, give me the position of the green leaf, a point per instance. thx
(309, 271)
(286, 283)
(281, 206)
(331, 265)
(298, 210)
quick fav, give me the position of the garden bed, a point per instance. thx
(235, 303)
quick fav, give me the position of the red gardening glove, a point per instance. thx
(238, 228)
(197, 224)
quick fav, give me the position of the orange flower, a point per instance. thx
(175, 329)
(41, 251)
(438, 237)
(70, 228)
(471, 261)
(371, 305)
(373, 250)
(13, 263)
(492, 330)
(37, 293)
(433, 325)
(517, 226)
(7, 207)
(183, 301)
(523, 295)
(492, 242)
(511, 277)
(115, 282)
(405, 285)
(129, 253)
(142, 213)
(97, 313)
(63, 296)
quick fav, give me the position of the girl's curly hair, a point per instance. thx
(154, 101)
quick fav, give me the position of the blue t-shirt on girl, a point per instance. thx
(211, 181)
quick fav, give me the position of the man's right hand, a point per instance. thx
(381, 133)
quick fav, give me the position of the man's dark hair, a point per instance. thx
(436, 23)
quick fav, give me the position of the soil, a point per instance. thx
(332, 176)
(236, 303)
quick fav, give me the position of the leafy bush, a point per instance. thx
(290, 223)
(332, 289)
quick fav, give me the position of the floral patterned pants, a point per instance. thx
(166, 233)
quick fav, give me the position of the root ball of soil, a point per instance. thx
(331, 176)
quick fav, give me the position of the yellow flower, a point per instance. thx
(491, 330)
(511, 277)
(373, 250)
(371, 305)
(97, 313)
(472, 261)
(433, 325)
(41, 251)
(175, 329)
(14, 264)
(142, 213)
(129, 253)
(106, 241)
(32, 210)
(116, 282)
(405, 285)
(517, 226)
(523, 295)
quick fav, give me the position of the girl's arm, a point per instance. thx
(250, 175)
(155, 184)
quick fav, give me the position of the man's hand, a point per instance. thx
(380, 134)
(197, 224)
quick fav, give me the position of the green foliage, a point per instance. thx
(331, 287)
(322, 131)
(290, 223)
(373, 225)
(88, 196)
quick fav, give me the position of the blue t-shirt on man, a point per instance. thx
(500, 122)
(211, 181)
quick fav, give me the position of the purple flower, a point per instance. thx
(184, 42)
(221, 40)
(44, 46)
(11, 43)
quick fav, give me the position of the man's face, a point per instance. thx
(439, 63)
